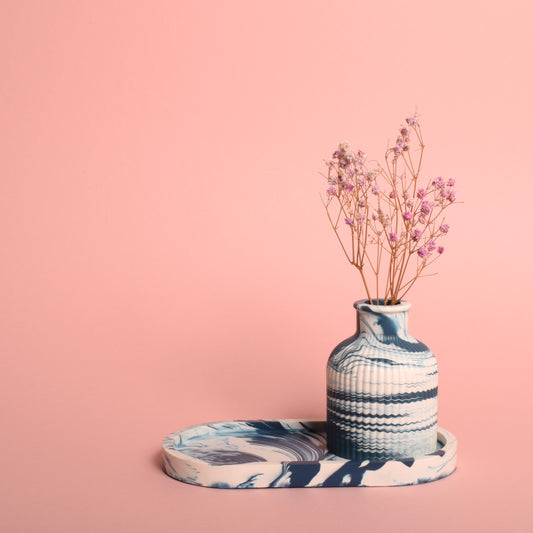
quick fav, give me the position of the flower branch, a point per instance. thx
(385, 207)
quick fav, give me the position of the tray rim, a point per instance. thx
(444, 437)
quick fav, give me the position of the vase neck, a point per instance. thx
(382, 320)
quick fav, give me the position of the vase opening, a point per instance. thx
(380, 301)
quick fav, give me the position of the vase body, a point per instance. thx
(382, 389)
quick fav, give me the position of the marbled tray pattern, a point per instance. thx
(288, 453)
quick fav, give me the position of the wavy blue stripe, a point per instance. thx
(334, 407)
(360, 397)
(381, 428)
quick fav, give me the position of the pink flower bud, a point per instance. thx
(439, 183)
(416, 235)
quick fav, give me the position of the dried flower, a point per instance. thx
(391, 207)
(370, 174)
(425, 208)
(416, 235)
(344, 147)
(439, 183)
(384, 219)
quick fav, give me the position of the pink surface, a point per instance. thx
(166, 260)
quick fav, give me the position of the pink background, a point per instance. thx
(166, 260)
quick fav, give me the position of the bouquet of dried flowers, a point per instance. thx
(388, 219)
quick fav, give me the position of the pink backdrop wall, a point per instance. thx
(166, 260)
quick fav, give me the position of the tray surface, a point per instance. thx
(288, 453)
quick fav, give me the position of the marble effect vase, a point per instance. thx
(381, 389)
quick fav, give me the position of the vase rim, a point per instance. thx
(401, 307)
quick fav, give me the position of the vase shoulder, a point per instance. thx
(382, 349)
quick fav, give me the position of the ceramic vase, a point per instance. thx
(381, 389)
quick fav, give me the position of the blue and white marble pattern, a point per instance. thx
(289, 453)
(381, 389)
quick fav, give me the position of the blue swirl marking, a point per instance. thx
(351, 474)
(390, 335)
(297, 446)
(252, 442)
(222, 457)
(438, 452)
(297, 474)
(263, 458)
(249, 483)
